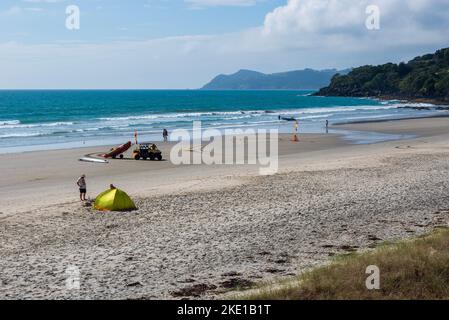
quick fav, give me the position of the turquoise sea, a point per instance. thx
(33, 120)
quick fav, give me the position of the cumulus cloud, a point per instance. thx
(315, 16)
(340, 25)
(348, 16)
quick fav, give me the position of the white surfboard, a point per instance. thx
(85, 159)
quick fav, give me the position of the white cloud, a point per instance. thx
(348, 16)
(313, 16)
(302, 33)
(338, 28)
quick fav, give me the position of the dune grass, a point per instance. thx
(414, 269)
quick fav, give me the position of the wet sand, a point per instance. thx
(201, 231)
(420, 127)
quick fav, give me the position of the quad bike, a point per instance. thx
(146, 151)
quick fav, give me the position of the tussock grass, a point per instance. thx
(414, 269)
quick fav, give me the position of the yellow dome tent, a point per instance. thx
(114, 200)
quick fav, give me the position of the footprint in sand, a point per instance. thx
(234, 283)
(231, 274)
(135, 284)
(273, 270)
(193, 291)
(374, 238)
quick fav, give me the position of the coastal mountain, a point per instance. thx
(307, 79)
(425, 77)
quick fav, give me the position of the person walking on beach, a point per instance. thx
(327, 126)
(165, 135)
(83, 187)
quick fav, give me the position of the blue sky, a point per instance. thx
(37, 21)
(185, 43)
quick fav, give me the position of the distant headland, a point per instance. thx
(307, 79)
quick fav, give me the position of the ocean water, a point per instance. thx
(35, 120)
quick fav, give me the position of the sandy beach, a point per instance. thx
(202, 231)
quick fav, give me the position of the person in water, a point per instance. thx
(83, 187)
(165, 135)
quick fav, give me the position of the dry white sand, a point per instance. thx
(201, 231)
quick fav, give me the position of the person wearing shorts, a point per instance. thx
(83, 187)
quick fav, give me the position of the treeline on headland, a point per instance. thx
(425, 77)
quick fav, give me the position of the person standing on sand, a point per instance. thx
(165, 135)
(327, 126)
(83, 187)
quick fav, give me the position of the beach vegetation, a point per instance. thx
(412, 269)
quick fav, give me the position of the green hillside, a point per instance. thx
(423, 77)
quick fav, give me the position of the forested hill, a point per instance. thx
(423, 77)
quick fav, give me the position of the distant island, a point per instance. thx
(307, 79)
(425, 78)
